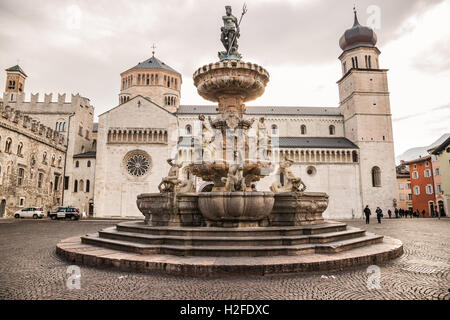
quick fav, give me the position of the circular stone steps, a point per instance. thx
(180, 250)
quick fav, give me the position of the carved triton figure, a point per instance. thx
(170, 183)
(293, 184)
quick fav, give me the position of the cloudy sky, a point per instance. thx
(70, 46)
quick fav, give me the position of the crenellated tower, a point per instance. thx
(365, 105)
(152, 79)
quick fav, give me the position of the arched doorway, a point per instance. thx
(91, 208)
(2, 208)
(431, 208)
(441, 208)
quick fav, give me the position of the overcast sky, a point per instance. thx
(70, 46)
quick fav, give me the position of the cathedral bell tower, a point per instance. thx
(152, 79)
(365, 105)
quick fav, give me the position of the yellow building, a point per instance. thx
(404, 200)
(443, 152)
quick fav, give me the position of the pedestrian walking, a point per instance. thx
(367, 213)
(379, 213)
(389, 213)
(396, 213)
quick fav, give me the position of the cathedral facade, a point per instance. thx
(347, 152)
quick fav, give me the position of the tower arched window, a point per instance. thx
(332, 130)
(81, 185)
(88, 185)
(355, 156)
(77, 164)
(274, 130)
(376, 177)
(188, 130)
(303, 129)
(75, 186)
(89, 164)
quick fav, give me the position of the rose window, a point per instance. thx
(138, 165)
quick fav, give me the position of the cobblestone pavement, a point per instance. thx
(30, 269)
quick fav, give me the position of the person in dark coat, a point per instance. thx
(423, 213)
(367, 213)
(379, 213)
(389, 213)
(396, 213)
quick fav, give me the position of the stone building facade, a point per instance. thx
(32, 158)
(74, 120)
(347, 152)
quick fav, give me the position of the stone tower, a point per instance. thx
(15, 81)
(152, 79)
(365, 104)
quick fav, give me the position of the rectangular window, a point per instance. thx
(21, 201)
(417, 190)
(40, 179)
(439, 189)
(409, 186)
(402, 197)
(437, 172)
(400, 186)
(410, 196)
(429, 189)
(20, 176)
(66, 183)
(415, 175)
(427, 173)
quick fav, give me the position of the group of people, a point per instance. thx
(399, 213)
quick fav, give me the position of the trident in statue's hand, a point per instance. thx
(244, 11)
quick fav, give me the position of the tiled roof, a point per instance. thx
(17, 68)
(441, 147)
(153, 63)
(270, 110)
(294, 142)
(90, 154)
(328, 143)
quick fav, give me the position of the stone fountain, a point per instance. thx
(281, 229)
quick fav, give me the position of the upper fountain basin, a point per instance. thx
(231, 78)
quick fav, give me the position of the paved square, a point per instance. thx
(30, 269)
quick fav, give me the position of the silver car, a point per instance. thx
(30, 212)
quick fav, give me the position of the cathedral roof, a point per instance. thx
(358, 36)
(305, 142)
(90, 154)
(17, 68)
(153, 63)
(294, 142)
(269, 110)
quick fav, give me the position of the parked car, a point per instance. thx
(30, 212)
(65, 213)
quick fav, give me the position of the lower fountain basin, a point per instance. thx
(235, 209)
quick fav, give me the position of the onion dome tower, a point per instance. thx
(365, 105)
(358, 36)
(152, 79)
